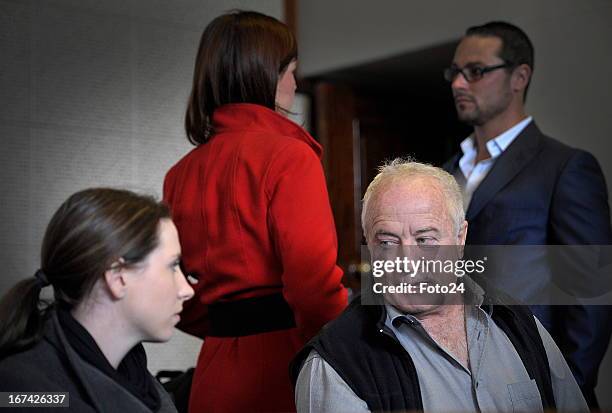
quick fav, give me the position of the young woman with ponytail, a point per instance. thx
(112, 259)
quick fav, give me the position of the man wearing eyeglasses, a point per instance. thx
(521, 187)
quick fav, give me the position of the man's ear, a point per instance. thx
(461, 237)
(520, 77)
(115, 281)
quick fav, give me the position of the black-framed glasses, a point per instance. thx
(471, 73)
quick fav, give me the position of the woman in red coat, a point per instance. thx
(254, 219)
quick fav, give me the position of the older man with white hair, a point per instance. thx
(447, 352)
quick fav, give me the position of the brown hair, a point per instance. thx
(516, 49)
(240, 58)
(87, 234)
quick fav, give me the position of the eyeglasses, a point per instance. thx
(471, 73)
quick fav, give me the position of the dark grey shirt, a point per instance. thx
(495, 380)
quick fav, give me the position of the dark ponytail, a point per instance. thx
(22, 315)
(87, 234)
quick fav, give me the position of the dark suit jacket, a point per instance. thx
(542, 192)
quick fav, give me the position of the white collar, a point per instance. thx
(498, 144)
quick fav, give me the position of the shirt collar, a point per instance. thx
(393, 315)
(476, 298)
(497, 145)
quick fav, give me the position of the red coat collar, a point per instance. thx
(248, 116)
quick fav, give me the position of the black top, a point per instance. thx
(53, 365)
(132, 373)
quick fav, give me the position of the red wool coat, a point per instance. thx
(253, 215)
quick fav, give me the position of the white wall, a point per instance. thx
(93, 93)
(571, 92)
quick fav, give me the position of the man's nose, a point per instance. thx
(459, 82)
(409, 248)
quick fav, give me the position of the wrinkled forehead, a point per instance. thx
(417, 197)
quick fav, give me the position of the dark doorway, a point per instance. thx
(366, 114)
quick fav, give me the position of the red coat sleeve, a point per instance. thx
(302, 227)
